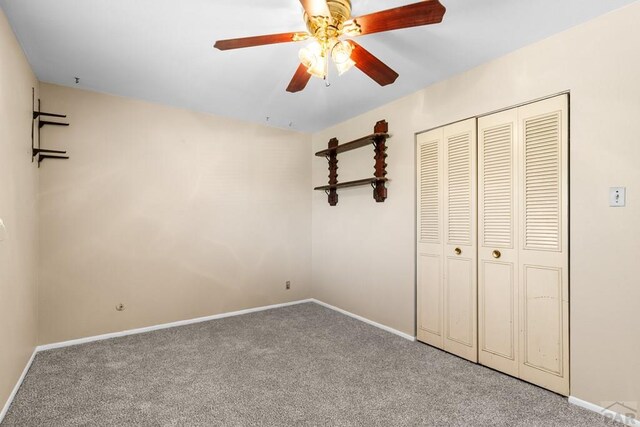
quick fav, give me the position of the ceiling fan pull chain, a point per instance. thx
(329, 56)
(326, 68)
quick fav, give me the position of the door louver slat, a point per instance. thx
(542, 183)
(497, 186)
(430, 193)
(459, 189)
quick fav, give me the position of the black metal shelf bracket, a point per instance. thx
(36, 151)
(37, 114)
(42, 157)
(42, 123)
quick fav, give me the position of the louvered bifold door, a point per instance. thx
(460, 236)
(430, 272)
(543, 247)
(498, 333)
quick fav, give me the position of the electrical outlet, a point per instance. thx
(617, 197)
(120, 307)
(287, 285)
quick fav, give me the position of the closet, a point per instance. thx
(492, 243)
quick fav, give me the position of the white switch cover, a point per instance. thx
(3, 231)
(617, 197)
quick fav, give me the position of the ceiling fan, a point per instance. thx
(331, 27)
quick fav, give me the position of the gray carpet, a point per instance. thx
(299, 365)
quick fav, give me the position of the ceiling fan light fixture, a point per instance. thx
(344, 66)
(314, 59)
(341, 55)
(318, 69)
(341, 52)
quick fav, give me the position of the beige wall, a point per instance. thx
(363, 252)
(173, 213)
(18, 211)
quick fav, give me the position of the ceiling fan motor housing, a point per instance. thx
(323, 28)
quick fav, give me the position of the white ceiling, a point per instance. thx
(161, 51)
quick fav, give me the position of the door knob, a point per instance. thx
(457, 251)
(496, 254)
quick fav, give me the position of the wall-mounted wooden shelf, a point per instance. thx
(357, 183)
(378, 140)
(358, 143)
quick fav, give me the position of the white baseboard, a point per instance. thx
(214, 317)
(365, 320)
(630, 421)
(165, 326)
(12, 396)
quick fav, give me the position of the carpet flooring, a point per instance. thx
(297, 365)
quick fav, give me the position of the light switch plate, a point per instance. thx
(617, 197)
(3, 231)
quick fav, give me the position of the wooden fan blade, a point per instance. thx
(372, 66)
(413, 15)
(316, 7)
(299, 80)
(258, 41)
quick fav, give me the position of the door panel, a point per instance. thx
(430, 268)
(498, 335)
(460, 301)
(430, 299)
(460, 249)
(544, 251)
(523, 242)
(446, 213)
(497, 252)
(542, 325)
